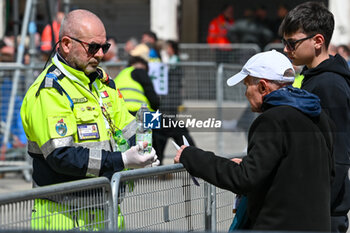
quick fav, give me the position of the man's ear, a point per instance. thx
(263, 87)
(319, 41)
(65, 44)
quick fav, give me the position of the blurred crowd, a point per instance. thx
(148, 46)
(256, 26)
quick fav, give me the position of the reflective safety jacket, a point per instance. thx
(46, 36)
(132, 91)
(67, 133)
(217, 32)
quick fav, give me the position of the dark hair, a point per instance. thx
(174, 45)
(310, 18)
(133, 60)
(345, 48)
(151, 34)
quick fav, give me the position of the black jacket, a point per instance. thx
(286, 175)
(141, 76)
(330, 81)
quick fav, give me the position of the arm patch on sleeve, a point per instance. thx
(61, 126)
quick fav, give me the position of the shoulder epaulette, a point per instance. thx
(51, 80)
(111, 84)
(104, 78)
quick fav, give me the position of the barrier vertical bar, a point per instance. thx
(213, 207)
(111, 211)
(208, 207)
(115, 188)
(219, 100)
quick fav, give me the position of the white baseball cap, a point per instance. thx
(271, 65)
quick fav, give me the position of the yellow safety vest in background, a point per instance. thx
(132, 91)
(298, 81)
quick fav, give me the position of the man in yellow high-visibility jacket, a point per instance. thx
(136, 86)
(71, 114)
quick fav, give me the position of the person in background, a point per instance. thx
(298, 76)
(282, 11)
(218, 27)
(344, 51)
(136, 86)
(130, 44)
(218, 34)
(287, 172)
(112, 54)
(150, 39)
(172, 51)
(7, 49)
(46, 36)
(307, 31)
(171, 104)
(245, 29)
(263, 26)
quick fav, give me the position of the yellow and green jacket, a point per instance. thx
(68, 135)
(133, 91)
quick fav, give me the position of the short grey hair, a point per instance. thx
(279, 83)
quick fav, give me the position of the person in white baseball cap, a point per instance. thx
(288, 168)
(262, 74)
(271, 65)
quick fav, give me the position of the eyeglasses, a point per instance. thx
(93, 47)
(292, 43)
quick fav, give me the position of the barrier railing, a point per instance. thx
(83, 205)
(161, 198)
(230, 53)
(165, 199)
(150, 199)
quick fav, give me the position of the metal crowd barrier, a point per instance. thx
(165, 199)
(230, 53)
(15, 159)
(79, 200)
(150, 199)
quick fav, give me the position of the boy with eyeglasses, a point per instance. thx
(307, 31)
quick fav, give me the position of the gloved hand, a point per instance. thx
(133, 158)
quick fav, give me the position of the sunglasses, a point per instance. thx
(93, 47)
(292, 43)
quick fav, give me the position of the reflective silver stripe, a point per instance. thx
(135, 100)
(131, 89)
(104, 145)
(49, 82)
(129, 130)
(34, 148)
(55, 143)
(94, 166)
(57, 72)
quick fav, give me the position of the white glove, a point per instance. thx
(133, 158)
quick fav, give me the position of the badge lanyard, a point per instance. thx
(114, 131)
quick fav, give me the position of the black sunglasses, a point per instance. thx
(93, 47)
(292, 43)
